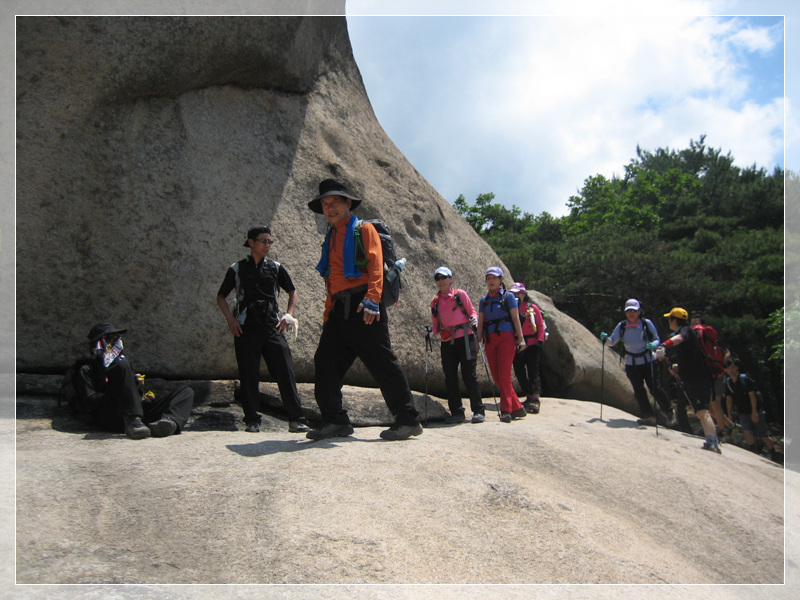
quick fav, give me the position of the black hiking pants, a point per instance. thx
(526, 368)
(265, 341)
(454, 354)
(121, 399)
(346, 337)
(639, 375)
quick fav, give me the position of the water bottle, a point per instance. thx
(394, 272)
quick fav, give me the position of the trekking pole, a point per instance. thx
(491, 381)
(602, 377)
(655, 408)
(428, 349)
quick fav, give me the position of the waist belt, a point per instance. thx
(467, 331)
(346, 295)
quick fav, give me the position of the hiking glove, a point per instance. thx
(661, 352)
(651, 346)
(603, 336)
(370, 307)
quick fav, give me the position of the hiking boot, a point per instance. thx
(532, 406)
(401, 432)
(651, 420)
(163, 427)
(330, 430)
(298, 426)
(505, 417)
(135, 429)
(520, 413)
(253, 427)
(712, 447)
(478, 418)
(455, 418)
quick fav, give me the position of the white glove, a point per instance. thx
(661, 352)
(290, 325)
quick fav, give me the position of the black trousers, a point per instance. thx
(639, 375)
(526, 368)
(454, 354)
(121, 399)
(265, 341)
(346, 337)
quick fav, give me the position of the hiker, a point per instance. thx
(526, 363)
(500, 329)
(640, 339)
(455, 321)
(691, 372)
(354, 321)
(112, 396)
(742, 395)
(257, 330)
(716, 353)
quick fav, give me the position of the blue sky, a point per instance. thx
(530, 100)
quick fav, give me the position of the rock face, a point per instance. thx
(147, 146)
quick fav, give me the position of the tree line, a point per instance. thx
(682, 228)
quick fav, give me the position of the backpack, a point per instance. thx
(503, 302)
(391, 265)
(522, 318)
(69, 390)
(747, 381)
(647, 335)
(710, 349)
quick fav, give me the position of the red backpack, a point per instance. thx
(708, 342)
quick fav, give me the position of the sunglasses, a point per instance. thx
(440, 277)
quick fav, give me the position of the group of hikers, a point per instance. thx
(507, 331)
(707, 377)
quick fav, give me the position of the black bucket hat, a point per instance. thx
(103, 329)
(332, 187)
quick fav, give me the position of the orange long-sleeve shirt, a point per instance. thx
(372, 277)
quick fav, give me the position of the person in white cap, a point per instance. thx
(640, 338)
(500, 329)
(455, 321)
(526, 363)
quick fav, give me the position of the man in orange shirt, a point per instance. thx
(355, 323)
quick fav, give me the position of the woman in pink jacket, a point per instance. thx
(526, 363)
(455, 320)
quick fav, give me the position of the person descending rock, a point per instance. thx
(257, 331)
(500, 329)
(526, 363)
(640, 339)
(691, 371)
(354, 321)
(111, 395)
(455, 321)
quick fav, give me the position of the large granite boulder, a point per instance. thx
(148, 145)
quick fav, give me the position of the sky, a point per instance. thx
(531, 100)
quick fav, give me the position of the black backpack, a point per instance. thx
(391, 289)
(68, 393)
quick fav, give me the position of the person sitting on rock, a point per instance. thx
(111, 395)
(640, 338)
(455, 321)
(354, 321)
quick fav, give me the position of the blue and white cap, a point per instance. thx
(494, 271)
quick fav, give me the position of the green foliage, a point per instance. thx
(681, 228)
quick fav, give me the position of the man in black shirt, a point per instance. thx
(257, 330)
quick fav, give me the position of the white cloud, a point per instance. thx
(529, 107)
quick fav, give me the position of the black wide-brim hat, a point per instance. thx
(332, 187)
(103, 329)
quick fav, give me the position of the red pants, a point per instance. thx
(500, 351)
